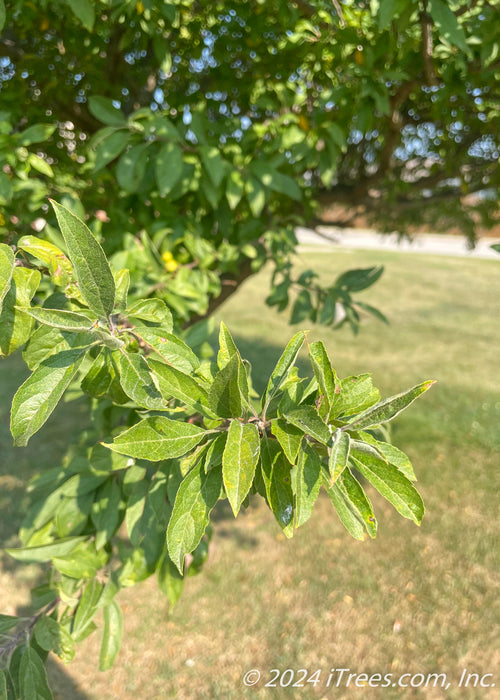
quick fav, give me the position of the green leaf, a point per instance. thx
(45, 552)
(169, 166)
(131, 167)
(280, 372)
(447, 23)
(196, 496)
(64, 320)
(60, 269)
(105, 512)
(276, 473)
(256, 196)
(111, 146)
(2, 14)
(173, 383)
(91, 267)
(6, 190)
(40, 164)
(227, 347)
(339, 454)
(302, 307)
(389, 408)
(35, 400)
(357, 280)
(122, 283)
(288, 436)
(349, 516)
(137, 382)
(239, 460)
(170, 581)
(152, 311)
(157, 438)
(213, 163)
(306, 418)
(276, 181)
(33, 684)
(52, 636)
(359, 501)
(111, 636)
(306, 483)
(234, 188)
(229, 390)
(392, 455)
(356, 393)
(173, 350)
(102, 108)
(36, 134)
(15, 327)
(392, 485)
(213, 456)
(326, 377)
(87, 608)
(6, 269)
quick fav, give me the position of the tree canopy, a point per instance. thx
(197, 135)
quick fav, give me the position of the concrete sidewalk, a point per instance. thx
(427, 243)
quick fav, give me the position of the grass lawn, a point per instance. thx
(415, 600)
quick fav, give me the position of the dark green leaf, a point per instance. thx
(348, 515)
(389, 408)
(111, 636)
(168, 166)
(288, 436)
(87, 608)
(106, 511)
(91, 267)
(196, 496)
(276, 473)
(170, 580)
(35, 400)
(102, 108)
(447, 23)
(240, 458)
(36, 134)
(131, 167)
(213, 163)
(357, 280)
(33, 684)
(173, 383)
(306, 483)
(229, 391)
(158, 438)
(6, 270)
(98, 379)
(15, 327)
(110, 148)
(306, 418)
(302, 307)
(283, 366)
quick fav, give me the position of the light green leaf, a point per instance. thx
(91, 267)
(173, 383)
(196, 496)
(234, 188)
(389, 408)
(339, 454)
(33, 684)
(36, 134)
(239, 460)
(6, 269)
(276, 181)
(229, 390)
(40, 165)
(170, 581)
(306, 483)
(87, 608)
(227, 347)
(51, 636)
(157, 438)
(122, 283)
(137, 382)
(105, 512)
(256, 196)
(306, 418)
(60, 269)
(392, 485)
(288, 436)
(64, 320)
(326, 377)
(15, 327)
(102, 108)
(213, 163)
(36, 399)
(283, 366)
(356, 394)
(169, 165)
(111, 636)
(153, 311)
(392, 455)
(169, 347)
(45, 552)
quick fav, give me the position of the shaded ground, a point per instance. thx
(415, 600)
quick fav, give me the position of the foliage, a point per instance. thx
(172, 435)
